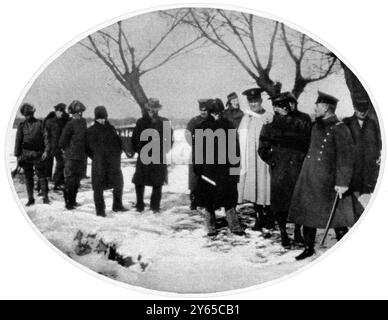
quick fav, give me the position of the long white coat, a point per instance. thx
(255, 183)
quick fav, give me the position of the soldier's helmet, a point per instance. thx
(27, 109)
(76, 107)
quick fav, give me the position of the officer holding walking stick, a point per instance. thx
(321, 192)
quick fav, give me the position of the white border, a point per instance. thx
(168, 7)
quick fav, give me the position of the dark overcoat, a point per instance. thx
(283, 145)
(190, 131)
(103, 146)
(155, 172)
(73, 139)
(367, 140)
(234, 115)
(224, 194)
(328, 163)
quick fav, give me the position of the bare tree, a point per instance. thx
(239, 35)
(113, 47)
(313, 62)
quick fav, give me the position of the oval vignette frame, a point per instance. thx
(141, 289)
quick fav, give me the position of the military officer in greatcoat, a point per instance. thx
(32, 152)
(73, 144)
(283, 146)
(190, 135)
(325, 177)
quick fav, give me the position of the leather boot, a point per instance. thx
(30, 190)
(269, 218)
(139, 198)
(259, 222)
(281, 218)
(234, 222)
(193, 202)
(44, 188)
(210, 223)
(117, 205)
(309, 235)
(298, 239)
(340, 232)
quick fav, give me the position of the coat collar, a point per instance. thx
(328, 121)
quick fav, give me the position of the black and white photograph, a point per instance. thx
(195, 150)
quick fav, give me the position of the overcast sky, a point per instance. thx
(205, 73)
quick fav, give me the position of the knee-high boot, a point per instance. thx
(43, 182)
(30, 188)
(259, 222)
(139, 198)
(309, 235)
(340, 232)
(210, 222)
(298, 239)
(233, 222)
(281, 218)
(118, 200)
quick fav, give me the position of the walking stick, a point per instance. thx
(331, 217)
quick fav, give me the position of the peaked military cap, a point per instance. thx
(284, 97)
(253, 94)
(326, 98)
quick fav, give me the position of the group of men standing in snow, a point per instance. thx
(292, 169)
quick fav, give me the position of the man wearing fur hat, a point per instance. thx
(151, 167)
(31, 150)
(190, 137)
(283, 146)
(325, 177)
(233, 113)
(103, 146)
(73, 143)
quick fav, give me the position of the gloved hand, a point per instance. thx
(340, 190)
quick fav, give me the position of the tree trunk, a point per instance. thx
(299, 86)
(357, 92)
(134, 86)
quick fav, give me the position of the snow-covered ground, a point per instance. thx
(167, 251)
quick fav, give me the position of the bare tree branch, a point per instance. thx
(271, 48)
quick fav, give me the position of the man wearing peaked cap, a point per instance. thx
(326, 98)
(283, 146)
(193, 124)
(325, 177)
(233, 113)
(254, 185)
(253, 94)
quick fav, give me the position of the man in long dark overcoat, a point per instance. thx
(31, 150)
(151, 165)
(73, 144)
(283, 146)
(217, 184)
(367, 138)
(190, 137)
(326, 173)
(103, 146)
